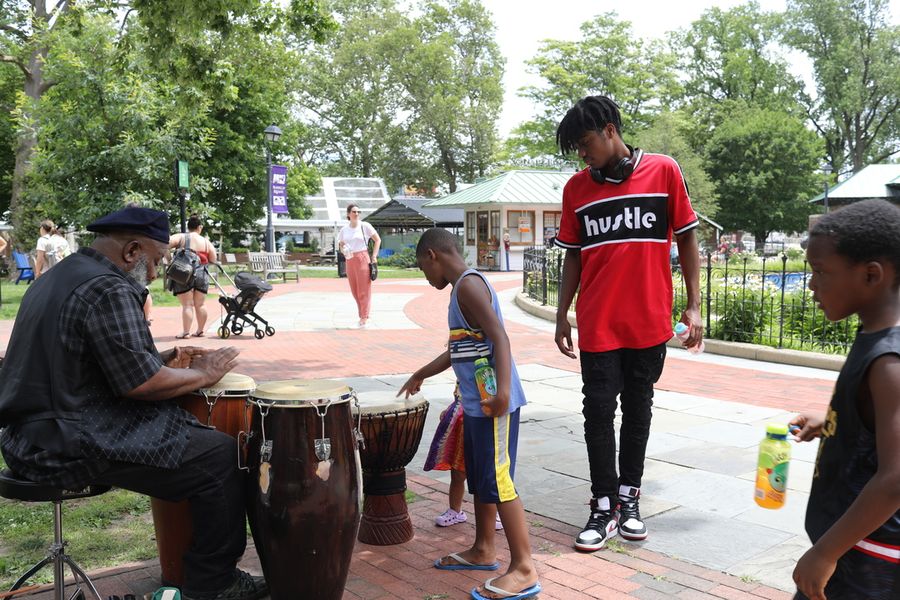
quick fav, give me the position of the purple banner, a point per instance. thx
(278, 189)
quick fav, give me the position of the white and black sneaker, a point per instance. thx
(631, 526)
(600, 527)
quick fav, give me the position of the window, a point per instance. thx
(521, 226)
(551, 226)
(482, 227)
(495, 228)
(470, 228)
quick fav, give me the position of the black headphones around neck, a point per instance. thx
(622, 170)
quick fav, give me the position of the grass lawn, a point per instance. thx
(11, 294)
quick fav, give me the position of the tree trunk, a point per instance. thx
(760, 239)
(35, 86)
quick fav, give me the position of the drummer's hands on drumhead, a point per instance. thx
(181, 357)
(216, 363)
(412, 386)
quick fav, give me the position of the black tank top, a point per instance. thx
(847, 457)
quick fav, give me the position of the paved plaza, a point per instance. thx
(708, 539)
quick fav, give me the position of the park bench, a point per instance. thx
(273, 262)
(322, 258)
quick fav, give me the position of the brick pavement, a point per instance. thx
(405, 571)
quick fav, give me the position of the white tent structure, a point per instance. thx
(329, 206)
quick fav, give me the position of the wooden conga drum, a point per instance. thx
(225, 406)
(392, 429)
(304, 489)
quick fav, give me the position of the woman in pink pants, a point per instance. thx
(353, 241)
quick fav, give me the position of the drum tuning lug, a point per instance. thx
(323, 448)
(360, 440)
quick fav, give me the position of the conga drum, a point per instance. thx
(224, 405)
(304, 489)
(391, 429)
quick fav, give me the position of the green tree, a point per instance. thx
(668, 135)
(8, 86)
(607, 59)
(451, 70)
(350, 100)
(764, 163)
(855, 55)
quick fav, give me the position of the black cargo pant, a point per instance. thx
(607, 375)
(210, 480)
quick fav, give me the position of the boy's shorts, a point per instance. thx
(860, 576)
(490, 451)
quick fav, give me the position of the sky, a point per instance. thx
(522, 24)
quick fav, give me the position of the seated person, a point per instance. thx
(86, 398)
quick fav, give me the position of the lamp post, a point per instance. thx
(271, 135)
(826, 168)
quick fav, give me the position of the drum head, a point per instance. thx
(385, 401)
(301, 392)
(232, 384)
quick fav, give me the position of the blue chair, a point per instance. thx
(26, 273)
(385, 252)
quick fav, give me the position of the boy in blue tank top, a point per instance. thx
(490, 427)
(853, 514)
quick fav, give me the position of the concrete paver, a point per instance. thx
(699, 473)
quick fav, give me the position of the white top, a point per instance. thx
(353, 236)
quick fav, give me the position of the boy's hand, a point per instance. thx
(412, 385)
(563, 337)
(810, 426)
(496, 406)
(812, 573)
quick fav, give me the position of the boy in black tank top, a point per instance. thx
(853, 515)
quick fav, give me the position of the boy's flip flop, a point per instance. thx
(463, 565)
(530, 592)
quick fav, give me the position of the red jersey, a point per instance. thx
(624, 231)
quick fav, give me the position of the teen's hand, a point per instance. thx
(412, 385)
(563, 337)
(691, 318)
(810, 426)
(496, 406)
(812, 573)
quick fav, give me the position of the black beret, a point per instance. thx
(145, 221)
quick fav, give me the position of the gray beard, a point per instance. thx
(138, 273)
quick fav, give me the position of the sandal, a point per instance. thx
(199, 333)
(183, 336)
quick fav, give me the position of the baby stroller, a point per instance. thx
(240, 308)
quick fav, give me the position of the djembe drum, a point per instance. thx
(391, 429)
(224, 406)
(304, 490)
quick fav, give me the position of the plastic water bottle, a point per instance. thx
(772, 467)
(683, 332)
(485, 378)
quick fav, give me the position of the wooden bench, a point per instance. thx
(273, 262)
(322, 259)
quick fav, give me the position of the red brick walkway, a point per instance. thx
(405, 571)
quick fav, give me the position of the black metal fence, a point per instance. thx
(744, 299)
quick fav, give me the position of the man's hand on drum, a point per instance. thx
(180, 357)
(412, 385)
(215, 363)
(496, 406)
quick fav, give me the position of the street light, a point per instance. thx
(826, 168)
(271, 135)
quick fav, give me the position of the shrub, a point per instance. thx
(405, 259)
(742, 316)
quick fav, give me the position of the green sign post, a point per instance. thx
(182, 182)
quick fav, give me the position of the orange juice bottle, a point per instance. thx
(772, 467)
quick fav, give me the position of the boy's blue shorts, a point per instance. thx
(490, 451)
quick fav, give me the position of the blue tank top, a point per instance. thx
(467, 345)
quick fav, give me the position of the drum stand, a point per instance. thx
(385, 519)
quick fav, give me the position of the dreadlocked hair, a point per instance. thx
(591, 113)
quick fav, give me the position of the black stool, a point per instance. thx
(15, 488)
